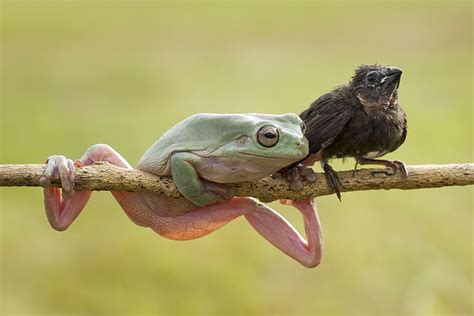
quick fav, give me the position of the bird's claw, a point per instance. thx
(397, 166)
(401, 167)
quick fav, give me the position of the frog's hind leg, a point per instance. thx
(272, 226)
(179, 219)
(276, 229)
(64, 205)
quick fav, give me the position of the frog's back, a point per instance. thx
(202, 133)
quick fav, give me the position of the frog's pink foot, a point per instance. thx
(64, 205)
(62, 209)
(59, 168)
(273, 227)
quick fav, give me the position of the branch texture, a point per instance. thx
(103, 176)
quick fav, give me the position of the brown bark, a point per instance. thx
(103, 176)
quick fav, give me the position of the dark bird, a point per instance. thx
(362, 119)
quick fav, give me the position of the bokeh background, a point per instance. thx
(76, 73)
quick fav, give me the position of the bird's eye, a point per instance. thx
(268, 136)
(371, 78)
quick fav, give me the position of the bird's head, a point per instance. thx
(376, 86)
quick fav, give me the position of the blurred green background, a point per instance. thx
(78, 73)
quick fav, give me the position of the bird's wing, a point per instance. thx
(324, 120)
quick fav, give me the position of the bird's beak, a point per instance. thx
(393, 76)
(394, 71)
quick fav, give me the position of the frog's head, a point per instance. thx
(276, 137)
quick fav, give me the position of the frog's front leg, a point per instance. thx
(192, 186)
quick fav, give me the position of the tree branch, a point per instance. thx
(103, 176)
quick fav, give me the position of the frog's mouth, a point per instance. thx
(262, 156)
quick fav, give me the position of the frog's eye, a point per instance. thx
(268, 136)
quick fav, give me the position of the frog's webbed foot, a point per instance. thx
(297, 176)
(51, 172)
(333, 178)
(60, 168)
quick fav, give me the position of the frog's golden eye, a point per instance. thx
(268, 136)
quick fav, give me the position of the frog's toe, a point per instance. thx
(307, 174)
(277, 175)
(299, 176)
(59, 168)
(296, 185)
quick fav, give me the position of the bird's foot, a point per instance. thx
(395, 165)
(399, 166)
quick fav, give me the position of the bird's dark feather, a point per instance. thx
(325, 119)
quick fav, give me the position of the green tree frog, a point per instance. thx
(205, 154)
